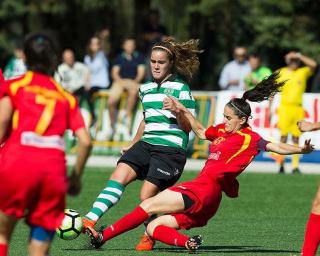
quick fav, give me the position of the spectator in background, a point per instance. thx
(233, 73)
(16, 65)
(127, 73)
(290, 110)
(152, 32)
(258, 72)
(98, 66)
(73, 76)
(104, 35)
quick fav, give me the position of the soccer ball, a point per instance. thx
(71, 225)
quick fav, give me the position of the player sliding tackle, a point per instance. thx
(191, 204)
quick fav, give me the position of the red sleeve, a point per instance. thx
(211, 133)
(75, 119)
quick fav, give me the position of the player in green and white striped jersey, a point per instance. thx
(157, 153)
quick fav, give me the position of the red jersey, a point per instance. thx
(230, 154)
(42, 113)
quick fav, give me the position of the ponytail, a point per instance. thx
(264, 90)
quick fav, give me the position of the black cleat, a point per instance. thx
(296, 171)
(194, 243)
(96, 238)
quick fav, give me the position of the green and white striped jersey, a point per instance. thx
(161, 127)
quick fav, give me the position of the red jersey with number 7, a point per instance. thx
(42, 113)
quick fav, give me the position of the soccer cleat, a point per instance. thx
(96, 238)
(194, 243)
(145, 244)
(87, 223)
(296, 171)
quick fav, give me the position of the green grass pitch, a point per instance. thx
(268, 218)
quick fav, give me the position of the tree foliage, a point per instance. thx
(271, 26)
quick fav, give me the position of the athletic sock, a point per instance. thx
(312, 236)
(127, 222)
(169, 236)
(295, 160)
(3, 249)
(108, 197)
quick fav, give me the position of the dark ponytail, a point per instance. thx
(264, 90)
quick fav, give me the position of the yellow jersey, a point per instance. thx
(295, 86)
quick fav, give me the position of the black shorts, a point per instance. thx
(160, 165)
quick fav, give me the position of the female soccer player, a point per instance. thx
(192, 204)
(34, 113)
(157, 153)
(312, 235)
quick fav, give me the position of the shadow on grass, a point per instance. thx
(203, 249)
(229, 249)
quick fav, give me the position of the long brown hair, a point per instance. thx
(183, 54)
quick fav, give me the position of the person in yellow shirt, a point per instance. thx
(290, 110)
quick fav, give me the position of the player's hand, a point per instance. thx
(172, 104)
(307, 147)
(74, 184)
(305, 126)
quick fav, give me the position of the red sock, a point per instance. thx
(169, 236)
(127, 222)
(312, 236)
(3, 249)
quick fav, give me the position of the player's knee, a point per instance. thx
(122, 174)
(148, 206)
(151, 227)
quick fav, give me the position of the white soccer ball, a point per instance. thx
(71, 225)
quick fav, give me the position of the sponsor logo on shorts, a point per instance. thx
(163, 172)
(176, 172)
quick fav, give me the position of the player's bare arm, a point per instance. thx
(305, 126)
(175, 106)
(6, 111)
(287, 149)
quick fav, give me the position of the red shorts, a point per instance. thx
(36, 192)
(206, 200)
